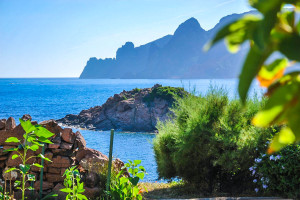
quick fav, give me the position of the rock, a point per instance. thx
(2, 124)
(79, 141)
(53, 178)
(16, 132)
(10, 123)
(92, 192)
(60, 162)
(54, 146)
(135, 110)
(2, 153)
(91, 179)
(67, 135)
(12, 175)
(63, 152)
(89, 153)
(56, 190)
(46, 185)
(17, 161)
(65, 145)
(28, 194)
(54, 170)
(26, 117)
(52, 126)
(3, 158)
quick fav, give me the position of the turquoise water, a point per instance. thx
(54, 98)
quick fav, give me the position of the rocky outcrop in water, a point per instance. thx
(68, 149)
(137, 110)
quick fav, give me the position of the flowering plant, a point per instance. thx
(278, 173)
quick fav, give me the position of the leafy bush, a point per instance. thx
(124, 187)
(279, 173)
(168, 93)
(211, 142)
(72, 185)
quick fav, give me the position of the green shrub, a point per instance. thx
(210, 142)
(168, 93)
(279, 173)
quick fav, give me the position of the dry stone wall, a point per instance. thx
(68, 149)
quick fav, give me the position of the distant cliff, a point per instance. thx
(173, 56)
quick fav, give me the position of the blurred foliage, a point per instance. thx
(273, 32)
(211, 143)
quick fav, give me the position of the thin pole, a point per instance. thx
(42, 172)
(110, 158)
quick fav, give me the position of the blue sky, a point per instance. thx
(55, 38)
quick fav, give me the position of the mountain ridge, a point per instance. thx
(173, 56)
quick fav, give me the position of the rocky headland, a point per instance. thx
(137, 110)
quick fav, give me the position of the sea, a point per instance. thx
(53, 98)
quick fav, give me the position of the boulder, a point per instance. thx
(91, 179)
(46, 185)
(26, 117)
(2, 124)
(67, 135)
(10, 123)
(52, 126)
(65, 145)
(92, 192)
(60, 162)
(56, 190)
(54, 170)
(17, 161)
(80, 142)
(54, 146)
(54, 178)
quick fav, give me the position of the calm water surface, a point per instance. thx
(54, 98)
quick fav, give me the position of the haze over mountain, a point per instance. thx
(179, 55)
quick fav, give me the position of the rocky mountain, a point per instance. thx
(179, 55)
(135, 110)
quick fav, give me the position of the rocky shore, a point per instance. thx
(137, 110)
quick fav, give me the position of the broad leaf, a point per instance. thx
(12, 139)
(66, 190)
(24, 168)
(10, 169)
(38, 165)
(43, 157)
(43, 132)
(255, 59)
(34, 147)
(14, 156)
(27, 126)
(290, 47)
(282, 139)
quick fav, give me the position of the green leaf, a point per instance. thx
(66, 190)
(30, 177)
(49, 196)
(10, 169)
(134, 180)
(14, 156)
(11, 149)
(275, 105)
(140, 175)
(81, 196)
(290, 47)
(252, 65)
(282, 139)
(38, 165)
(24, 168)
(12, 139)
(34, 147)
(44, 140)
(265, 6)
(269, 71)
(137, 162)
(43, 132)
(27, 126)
(43, 157)
(17, 183)
(236, 32)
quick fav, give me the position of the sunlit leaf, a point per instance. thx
(43, 132)
(12, 139)
(10, 169)
(15, 156)
(137, 162)
(24, 168)
(38, 165)
(255, 59)
(282, 139)
(270, 73)
(275, 105)
(34, 147)
(265, 6)
(27, 126)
